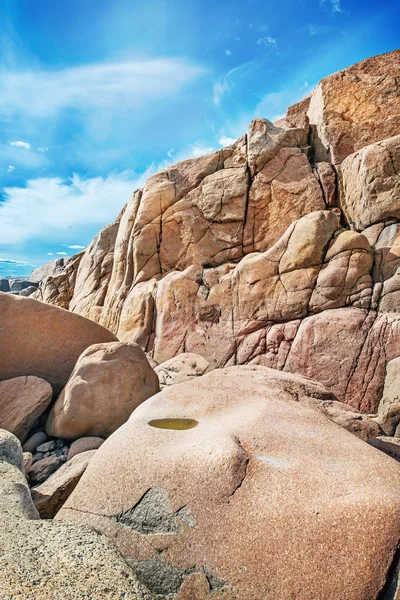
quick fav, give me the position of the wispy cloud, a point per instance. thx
(10, 168)
(62, 253)
(42, 149)
(95, 86)
(266, 41)
(228, 52)
(19, 144)
(76, 247)
(314, 29)
(67, 209)
(259, 27)
(225, 83)
(332, 5)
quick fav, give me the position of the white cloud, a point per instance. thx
(66, 208)
(170, 153)
(42, 149)
(332, 5)
(95, 86)
(266, 41)
(76, 247)
(19, 144)
(62, 253)
(225, 140)
(261, 27)
(228, 52)
(225, 83)
(197, 151)
(50, 254)
(15, 262)
(10, 168)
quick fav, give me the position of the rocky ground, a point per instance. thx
(216, 415)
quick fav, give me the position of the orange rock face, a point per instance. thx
(235, 484)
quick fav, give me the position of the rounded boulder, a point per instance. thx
(108, 382)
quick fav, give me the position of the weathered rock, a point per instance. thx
(17, 285)
(51, 269)
(49, 496)
(42, 340)
(22, 401)
(15, 499)
(10, 450)
(42, 469)
(347, 417)
(108, 382)
(356, 107)
(38, 438)
(47, 446)
(389, 445)
(371, 183)
(389, 420)
(84, 444)
(58, 289)
(296, 115)
(28, 291)
(94, 274)
(27, 458)
(46, 560)
(181, 368)
(313, 510)
(4, 285)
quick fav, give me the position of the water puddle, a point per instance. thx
(177, 424)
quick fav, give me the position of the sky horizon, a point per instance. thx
(98, 95)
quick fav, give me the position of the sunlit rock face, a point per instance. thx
(236, 482)
(282, 249)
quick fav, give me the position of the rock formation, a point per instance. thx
(42, 340)
(281, 249)
(236, 478)
(259, 287)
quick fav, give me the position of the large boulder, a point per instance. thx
(356, 107)
(42, 340)
(108, 382)
(236, 483)
(22, 401)
(371, 183)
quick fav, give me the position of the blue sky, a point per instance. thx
(95, 95)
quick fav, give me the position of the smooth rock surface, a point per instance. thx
(22, 401)
(35, 440)
(108, 382)
(43, 340)
(314, 511)
(84, 444)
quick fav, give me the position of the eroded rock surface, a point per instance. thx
(282, 249)
(236, 484)
(46, 560)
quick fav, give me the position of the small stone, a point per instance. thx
(51, 495)
(84, 444)
(37, 456)
(34, 441)
(42, 469)
(47, 447)
(27, 457)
